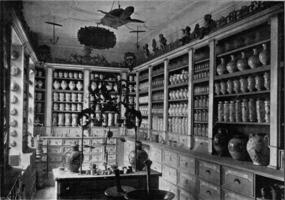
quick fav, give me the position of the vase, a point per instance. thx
(243, 85)
(40, 84)
(71, 85)
(231, 66)
(223, 87)
(264, 55)
(56, 85)
(75, 75)
(61, 96)
(220, 142)
(250, 83)
(237, 147)
(217, 88)
(80, 97)
(137, 162)
(70, 75)
(14, 70)
(258, 83)
(74, 120)
(266, 80)
(257, 148)
(60, 120)
(236, 86)
(229, 86)
(60, 74)
(80, 75)
(79, 85)
(67, 119)
(67, 107)
(221, 68)
(93, 86)
(67, 97)
(63, 85)
(65, 74)
(253, 61)
(74, 159)
(242, 62)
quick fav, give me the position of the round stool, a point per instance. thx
(112, 193)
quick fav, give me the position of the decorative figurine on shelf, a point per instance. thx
(163, 42)
(210, 24)
(154, 47)
(130, 60)
(243, 12)
(197, 32)
(232, 17)
(146, 51)
(186, 35)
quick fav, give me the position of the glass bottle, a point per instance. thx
(252, 110)
(244, 110)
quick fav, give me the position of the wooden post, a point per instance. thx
(149, 101)
(165, 101)
(190, 97)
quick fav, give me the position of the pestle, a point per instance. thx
(148, 164)
(118, 181)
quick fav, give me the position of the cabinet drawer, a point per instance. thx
(170, 174)
(210, 172)
(187, 182)
(164, 185)
(55, 142)
(170, 158)
(71, 142)
(187, 164)
(238, 181)
(156, 166)
(183, 195)
(209, 191)
(233, 196)
(155, 154)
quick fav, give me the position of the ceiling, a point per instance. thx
(158, 16)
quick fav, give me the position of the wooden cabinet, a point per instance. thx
(209, 191)
(209, 171)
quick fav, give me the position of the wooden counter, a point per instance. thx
(80, 186)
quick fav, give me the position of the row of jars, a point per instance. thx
(110, 86)
(158, 96)
(201, 75)
(68, 74)
(179, 78)
(39, 84)
(75, 107)
(144, 110)
(39, 96)
(200, 130)
(201, 102)
(67, 97)
(179, 62)
(178, 94)
(254, 60)
(159, 82)
(202, 66)
(179, 109)
(39, 107)
(157, 109)
(100, 76)
(143, 99)
(113, 96)
(178, 125)
(244, 84)
(245, 110)
(201, 90)
(143, 86)
(201, 115)
(64, 119)
(157, 123)
(67, 85)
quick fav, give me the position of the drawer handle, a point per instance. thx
(67, 188)
(208, 171)
(237, 181)
(209, 192)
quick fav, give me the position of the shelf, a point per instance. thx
(243, 48)
(157, 114)
(178, 85)
(157, 101)
(143, 92)
(201, 108)
(55, 111)
(200, 122)
(144, 115)
(245, 72)
(40, 77)
(39, 113)
(71, 79)
(201, 137)
(68, 102)
(201, 70)
(243, 94)
(172, 69)
(157, 89)
(40, 101)
(202, 80)
(69, 91)
(177, 116)
(40, 90)
(245, 123)
(201, 61)
(132, 93)
(143, 103)
(158, 74)
(143, 79)
(201, 94)
(177, 100)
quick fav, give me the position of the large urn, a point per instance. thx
(253, 61)
(257, 148)
(264, 55)
(231, 66)
(220, 141)
(138, 163)
(237, 147)
(74, 159)
(242, 62)
(221, 68)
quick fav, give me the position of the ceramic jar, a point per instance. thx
(221, 68)
(267, 111)
(238, 112)
(226, 110)
(73, 97)
(232, 111)
(65, 74)
(237, 147)
(60, 119)
(258, 83)
(54, 119)
(250, 84)
(229, 86)
(61, 96)
(231, 66)
(74, 159)
(251, 110)
(243, 84)
(56, 85)
(67, 107)
(220, 111)
(74, 119)
(257, 148)
(264, 55)
(220, 141)
(217, 88)
(61, 107)
(39, 107)
(55, 74)
(79, 107)
(55, 106)
(73, 107)
(266, 80)
(253, 61)
(70, 75)
(40, 84)
(80, 97)
(79, 85)
(67, 119)
(244, 110)
(39, 96)
(236, 86)
(93, 86)
(71, 85)
(242, 62)
(63, 84)
(75, 75)
(80, 75)
(260, 110)
(60, 74)
(67, 97)
(223, 87)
